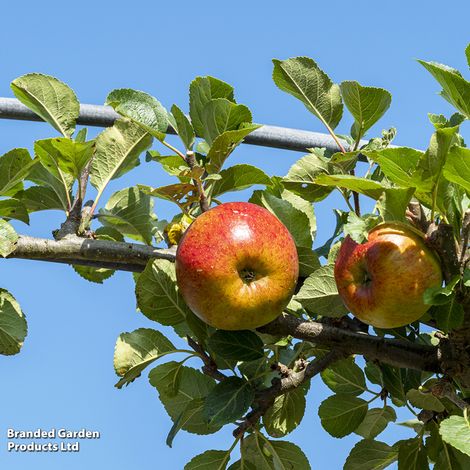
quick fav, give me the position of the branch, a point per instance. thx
(210, 367)
(397, 353)
(88, 252)
(279, 387)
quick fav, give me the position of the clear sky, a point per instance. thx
(64, 375)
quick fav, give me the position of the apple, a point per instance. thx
(382, 281)
(237, 266)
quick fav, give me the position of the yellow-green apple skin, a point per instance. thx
(237, 266)
(382, 281)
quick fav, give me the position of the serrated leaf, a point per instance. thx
(13, 327)
(8, 238)
(201, 91)
(393, 382)
(370, 455)
(40, 198)
(319, 294)
(393, 203)
(50, 99)
(117, 151)
(65, 154)
(224, 144)
(178, 386)
(302, 205)
(136, 350)
(15, 166)
(157, 294)
(457, 167)
(370, 188)
(182, 194)
(130, 211)
(14, 209)
(440, 295)
(375, 422)
(262, 454)
(455, 430)
(182, 126)
(301, 176)
(41, 176)
(236, 345)
(456, 90)
(221, 115)
(308, 261)
(358, 227)
(302, 78)
(449, 315)
(366, 104)
(425, 401)
(141, 108)
(239, 177)
(285, 414)
(341, 414)
(209, 460)
(295, 220)
(228, 401)
(344, 376)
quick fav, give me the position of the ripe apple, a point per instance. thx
(382, 281)
(237, 266)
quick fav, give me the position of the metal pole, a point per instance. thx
(104, 116)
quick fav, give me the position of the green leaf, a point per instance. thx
(364, 186)
(40, 198)
(8, 238)
(136, 350)
(117, 151)
(236, 345)
(182, 126)
(440, 295)
(393, 382)
(455, 430)
(62, 153)
(296, 221)
(393, 203)
(425, 401)
(398, 165)
(13, 327)
(456, 90)
(141, 108)
(448, 316)
(15, 166)
(302, 78)
(366, 104)
(50, 99)
(457, 167)
(183, 390)
(358, 227)
(130, 211)
(439, 121)
(341, 414)
(370, 455)
(14, 209)
(375, 422)
(228, 401)
(201, 91)
(157, 294)
(209, 460)
(61, 189)
(319, 294)
(302, 205)
(412, 455)
(302, 175)
(285, 414)
(221, 115)
(239, 177)
(308, 261)
(224, 144)
(344, 376)
(262, 454)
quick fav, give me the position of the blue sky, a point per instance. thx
(64, 375)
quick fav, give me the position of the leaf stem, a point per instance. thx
(174, 149)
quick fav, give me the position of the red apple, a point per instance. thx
(237, 266)
(383, 280)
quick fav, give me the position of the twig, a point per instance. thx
(203, 201)
(266, 398)
(443, 389)
(210, 367)
(464, 237)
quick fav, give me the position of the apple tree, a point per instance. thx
(256, 381)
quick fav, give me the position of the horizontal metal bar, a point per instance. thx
(104, 116)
